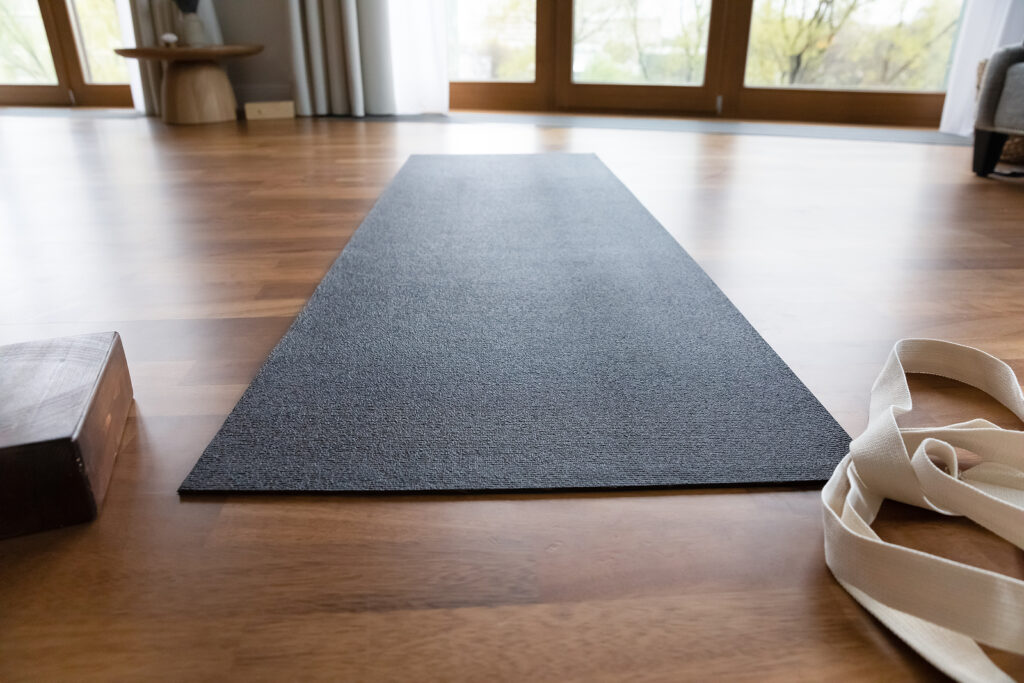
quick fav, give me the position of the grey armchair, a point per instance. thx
(1000, 107)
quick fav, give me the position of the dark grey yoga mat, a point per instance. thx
(517, 322)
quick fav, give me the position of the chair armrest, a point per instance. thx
(992, 84)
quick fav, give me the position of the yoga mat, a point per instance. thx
(517, 323)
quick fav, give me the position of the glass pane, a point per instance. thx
(25, 57)
(98, 32)
(492, 40)
(852, 44)
(649, 42)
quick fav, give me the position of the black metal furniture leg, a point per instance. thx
(988, 147)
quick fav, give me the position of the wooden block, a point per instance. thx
(270, 110)
(63, 406)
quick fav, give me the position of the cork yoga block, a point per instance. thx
(63, 407)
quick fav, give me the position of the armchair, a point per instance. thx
(1000, 107)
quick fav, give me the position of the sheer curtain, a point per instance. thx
(986, 26)
(360, 57)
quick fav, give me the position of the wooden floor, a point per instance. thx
(199, 245)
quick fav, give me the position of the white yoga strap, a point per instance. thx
(940, 608)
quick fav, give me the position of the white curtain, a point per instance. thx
(150, 19)
(360, 57)
(986, 26)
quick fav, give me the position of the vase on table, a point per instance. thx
(192, 32)
(190, 26)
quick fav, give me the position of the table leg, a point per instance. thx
(197, 92)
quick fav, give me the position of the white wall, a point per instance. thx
(267, 75)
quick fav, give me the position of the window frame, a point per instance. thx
(615, 98)
(536, 96)
(722, 94)
(71, 88)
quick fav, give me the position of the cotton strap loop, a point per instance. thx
(941, 608)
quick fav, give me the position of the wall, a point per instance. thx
(268, 75)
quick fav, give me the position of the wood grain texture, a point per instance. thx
(195, 88)
(270, 110)
(200, 245)
(64, 406)
(194, 92)
(187, 53)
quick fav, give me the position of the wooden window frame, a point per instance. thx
(71, 88)
(536, 96)
(809, 104)
(723, 92)
(650, 99)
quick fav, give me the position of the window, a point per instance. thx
(25, 57)
(62, 52)
(852, 44)
(492, 40)
(856, 61)
(650, 42)
(97, 33)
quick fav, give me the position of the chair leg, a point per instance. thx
(988, 147)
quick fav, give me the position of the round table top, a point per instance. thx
(205, 53)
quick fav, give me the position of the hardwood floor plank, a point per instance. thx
(199, 245)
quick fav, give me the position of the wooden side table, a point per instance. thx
(195, 87)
